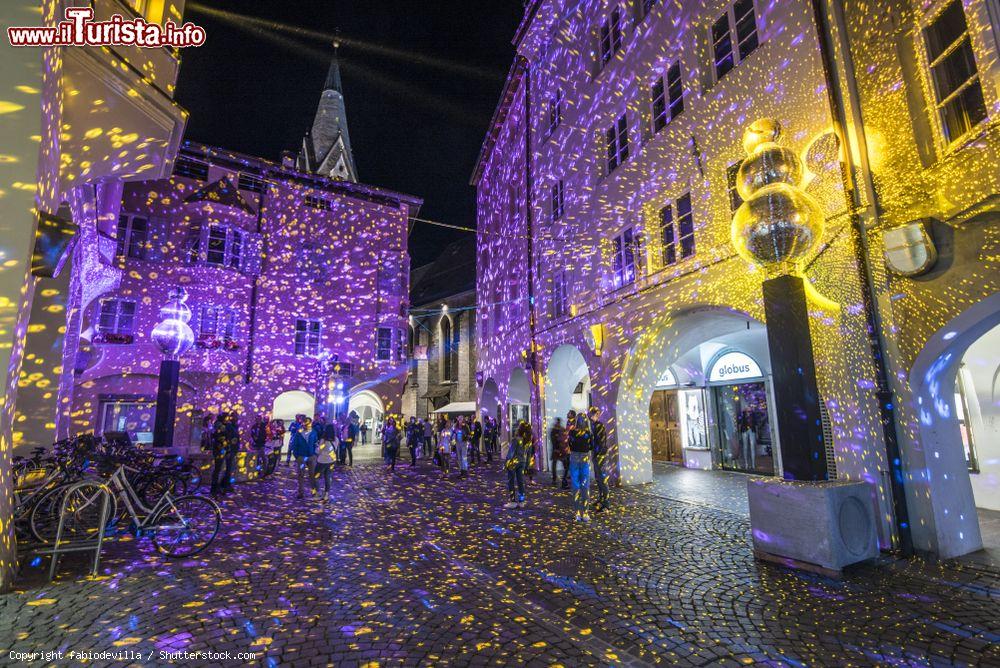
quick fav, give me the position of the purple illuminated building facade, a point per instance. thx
(297, 285)
(608, 275)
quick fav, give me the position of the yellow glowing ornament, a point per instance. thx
(778, 223)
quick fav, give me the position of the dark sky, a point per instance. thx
(417, 109)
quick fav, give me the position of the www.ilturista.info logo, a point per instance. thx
(79, 29)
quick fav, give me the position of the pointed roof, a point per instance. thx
(326, 147)
(221, 192)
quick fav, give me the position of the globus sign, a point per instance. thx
(732, 366)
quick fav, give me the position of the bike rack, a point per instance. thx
(60, 546)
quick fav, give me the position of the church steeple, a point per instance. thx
(326, 148)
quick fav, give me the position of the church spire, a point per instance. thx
(326, 148)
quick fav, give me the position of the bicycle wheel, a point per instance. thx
(155, 486)
(83, 512)
(186, 525)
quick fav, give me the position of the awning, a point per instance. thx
(437, 391)
(458, 407)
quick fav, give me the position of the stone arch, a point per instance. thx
(938, 484)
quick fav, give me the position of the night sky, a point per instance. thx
(421, 80)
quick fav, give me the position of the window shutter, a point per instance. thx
(253, 253)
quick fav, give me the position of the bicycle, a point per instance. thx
(179, 527)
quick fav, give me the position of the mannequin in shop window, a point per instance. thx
(748, 440)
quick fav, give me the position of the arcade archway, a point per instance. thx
(289, 404)
(489, 400)
(955, 385)
(370, 411)
(567, 385)
(518, 398)
(709, 370)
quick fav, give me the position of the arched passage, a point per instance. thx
(289, 404)
(696, 345)
(518, 398)
(489, 400)
(954, 386)
(567, 385)
(370, 411)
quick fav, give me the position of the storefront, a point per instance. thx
(741, 397)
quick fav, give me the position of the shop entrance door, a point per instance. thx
(744, 428)
(665, 433)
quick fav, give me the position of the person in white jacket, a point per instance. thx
(325, 450)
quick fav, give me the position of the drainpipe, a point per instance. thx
(862, 250)
(536, 405)
(255, 288)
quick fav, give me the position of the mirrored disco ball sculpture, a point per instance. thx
(778, 223)
(172, 334)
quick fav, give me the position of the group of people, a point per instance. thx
(581, 446)
(317, 445)
(468, 440)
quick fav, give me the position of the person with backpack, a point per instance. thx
(413, 433)
(599, 439)
(580, 449)
(303, 447)
(293, 428)
(518, 454)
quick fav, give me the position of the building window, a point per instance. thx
(616, 140)
(611, 35)
(116, 320)
(251, 183)
(383, 344)
(555, 110)
(307, 337)
(449, 349)
(191, 169)
(225, 247)
(560, 295)
(320, 203)
(557, 200)
(740, 20)
(623, 258)
(958, 92)
(667, 97)
(131, 236)
(732, 172)
(217, 326)
(676, 232)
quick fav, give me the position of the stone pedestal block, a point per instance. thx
(821, 526)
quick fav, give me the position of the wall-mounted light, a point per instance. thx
(595, 338)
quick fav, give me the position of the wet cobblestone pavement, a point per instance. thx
(407, 569)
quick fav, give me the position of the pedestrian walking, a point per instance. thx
(515, 464)
(324, 462)
(599, 437)
(429, 450)
(444, 449)
(476, 431)
(580, 446)
(232, 438)
(390, 440)
(559, 440)
(258, 443)
(413, 433)
(293, 428)
(303, 447)
(363, 429)
(276, 439)
(460, 437)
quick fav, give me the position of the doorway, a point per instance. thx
(664, 425)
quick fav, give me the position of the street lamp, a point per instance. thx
(174, 337)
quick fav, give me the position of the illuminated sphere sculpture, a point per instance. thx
(173, 334)
(778, 222)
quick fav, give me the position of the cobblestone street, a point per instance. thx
(407, 568)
